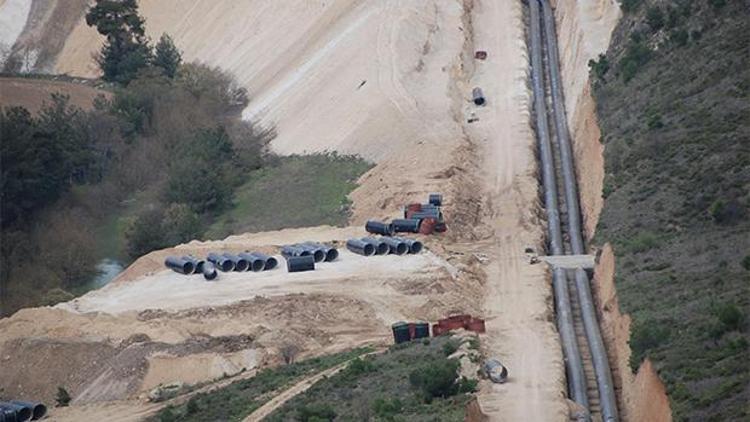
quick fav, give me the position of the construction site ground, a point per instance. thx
(391, 81)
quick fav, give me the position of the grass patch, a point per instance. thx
(237, 400)
(298, 191)
(413, 381)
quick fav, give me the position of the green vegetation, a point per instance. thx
(294, 191)
(673, 110)
(63, 397)
(239, 399)
(413, 381)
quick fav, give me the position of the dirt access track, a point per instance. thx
(391, 81)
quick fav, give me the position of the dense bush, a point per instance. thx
(436, 379)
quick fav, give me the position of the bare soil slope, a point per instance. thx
(33, 93)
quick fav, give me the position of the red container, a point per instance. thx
(437, 330)
(476, 325)
(412, 331)
(428, 225)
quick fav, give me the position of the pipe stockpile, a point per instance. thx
(209, 271)
(197, 263)
(255, 263)
(360, 247)
(381, 248)
(300, 263)
(406, 225)
(221, 262)
(269, 262)
(317, 253)
(179, 265)
(378, 227)
(395, 246)
(38, 410)
(22, 411)
(330, 252)
(240, 264)
(293, 250)
(415, 246)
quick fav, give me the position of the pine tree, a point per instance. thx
(167, 56)
(126, 50)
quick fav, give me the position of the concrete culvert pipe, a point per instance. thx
(378, 227)
(222, 263)
(317, 252)
(478, 96)
(17, 412)
(179, 265)
(38, 410)
(359, 247)
(300, 263)
(256, 263)
(381, 248)
(197, 263)
(396, 246)
(409, 225)
(209, 271)
(240, 264)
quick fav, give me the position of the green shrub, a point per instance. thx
(599, 67)
(360, 366)
(636, 55)
(436, 379)
(655, 18)
(680, 36)
(63, 397)
(316, 412)
(641, 242)
(145, 233)
(450, 347)
(730, 316)
(466, 385)
(386, 408)
(629, 6)
(180, 224)
(55, 296)
(746, 262)
(645, 336)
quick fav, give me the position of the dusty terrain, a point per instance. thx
(390, 81)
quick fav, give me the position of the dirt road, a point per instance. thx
(521, 330)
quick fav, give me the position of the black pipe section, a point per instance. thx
(179, 265)
(436, 199)
(197, 263)
(255, 262)
(7, 415)
(415, 246)
(240, 264)
(293, 250)
(317, 252)
(300, 263)
(209, 271)
(377, 227)
(20, 413)
(331, 252)
(359, 247)
(222, 263)
(571, 354)
(38, 410)
(478, 97)
(599, 358)
(396, 246)
(410, 225)
(270, 261)
(381, 248)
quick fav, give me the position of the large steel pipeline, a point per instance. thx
(572, 356)
(588, 311)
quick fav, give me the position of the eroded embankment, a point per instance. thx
(584, 31)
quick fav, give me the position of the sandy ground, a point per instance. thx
(33, 93)
(13, 14)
